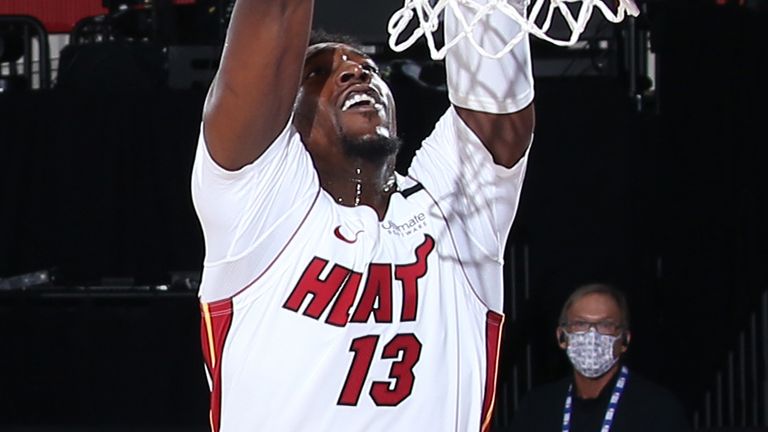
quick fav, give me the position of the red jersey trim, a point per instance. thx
(493, 328)
(214, 328)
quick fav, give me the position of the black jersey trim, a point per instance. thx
(412, 190)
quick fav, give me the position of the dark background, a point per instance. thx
(667, 202)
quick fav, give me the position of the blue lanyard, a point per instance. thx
(609, 413)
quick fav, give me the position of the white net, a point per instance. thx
(469, 12)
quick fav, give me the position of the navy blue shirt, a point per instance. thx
(644, 406)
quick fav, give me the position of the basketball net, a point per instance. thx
(470, 12)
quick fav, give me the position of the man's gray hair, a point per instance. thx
(596, 288)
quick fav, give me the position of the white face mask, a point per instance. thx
(591, 353)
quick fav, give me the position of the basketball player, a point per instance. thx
(338, 295)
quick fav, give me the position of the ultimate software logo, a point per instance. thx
(409, 227)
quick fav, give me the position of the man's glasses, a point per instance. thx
(602, 327)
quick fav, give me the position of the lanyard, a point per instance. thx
(609, 413)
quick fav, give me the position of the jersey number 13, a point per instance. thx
(405, 347)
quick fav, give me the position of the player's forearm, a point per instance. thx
(497, 86)
(493, 96)
(252, 96)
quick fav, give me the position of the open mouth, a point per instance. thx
(362, 100)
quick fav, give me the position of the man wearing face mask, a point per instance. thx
(602, 395)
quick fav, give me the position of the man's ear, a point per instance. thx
(562, 339)
(626, 338)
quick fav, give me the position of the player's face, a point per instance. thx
(342, 98)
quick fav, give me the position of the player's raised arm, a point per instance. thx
(251, 98)
(494, 97)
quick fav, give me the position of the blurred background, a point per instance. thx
(647, 172)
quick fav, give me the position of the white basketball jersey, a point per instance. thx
(319, 317)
